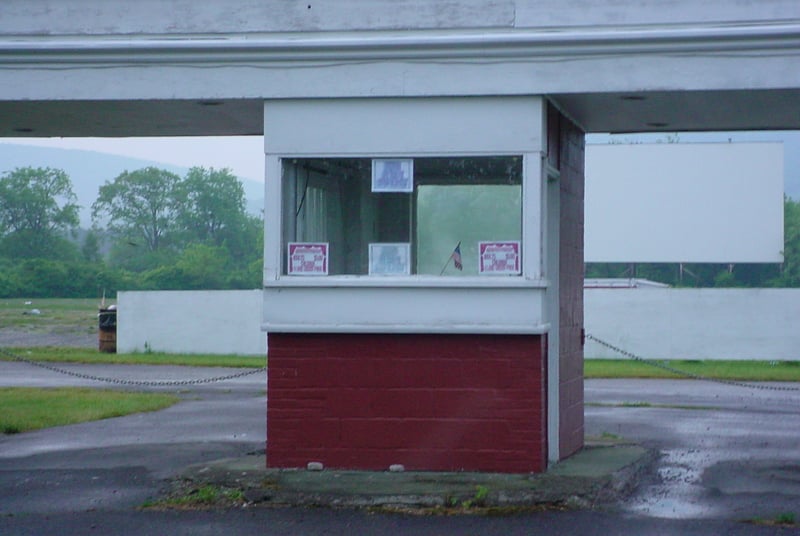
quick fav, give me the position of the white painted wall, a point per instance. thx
(192, 322)
(757, 324)
(695, 323)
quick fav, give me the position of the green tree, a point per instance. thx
(9, 280)
(790, 270)
(204, 265)
(248, 277)
(198, 267)
(174, 233)
(213, 212)
(91, 247)
(211, 205)
(140, 207)
(37, 207)
(247, 245)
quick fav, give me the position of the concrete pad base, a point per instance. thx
(593, 476)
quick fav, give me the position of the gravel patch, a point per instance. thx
(10, 337)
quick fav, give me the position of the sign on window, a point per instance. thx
(393, 175)
(308, 258)
(499, 258)
(390, 259)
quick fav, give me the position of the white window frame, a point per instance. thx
(489, 126)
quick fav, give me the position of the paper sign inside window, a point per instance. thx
(389, 259)
(393, 175)
(499, 258)
(307, 258)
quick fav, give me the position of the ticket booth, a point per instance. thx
(408, 298)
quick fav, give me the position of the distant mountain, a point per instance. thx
(89, 170)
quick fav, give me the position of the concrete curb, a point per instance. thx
(593, 477)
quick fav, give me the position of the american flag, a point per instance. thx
(456, 256)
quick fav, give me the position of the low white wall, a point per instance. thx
(695, 323)
(654, 323)
(193, 322)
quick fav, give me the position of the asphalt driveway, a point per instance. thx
(729, 453)
(121, 462)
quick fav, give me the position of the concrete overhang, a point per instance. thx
(682, 111)
(127, 118)
(595, 112)
(631, 79)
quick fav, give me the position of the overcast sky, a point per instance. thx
(244, 155)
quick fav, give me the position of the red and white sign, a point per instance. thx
(499, 258)
(307, 258)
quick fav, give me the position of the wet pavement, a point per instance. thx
(728, 454)
(350, 522)
(122, 462)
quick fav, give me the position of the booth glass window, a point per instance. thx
(396, 216)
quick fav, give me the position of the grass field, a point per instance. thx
(727, 370)
(54, 314)
(85, 355)
(23, 409)
(593, 368)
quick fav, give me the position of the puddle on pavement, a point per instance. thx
(754, 477)
(678, 491)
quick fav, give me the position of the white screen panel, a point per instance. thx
(717, 203)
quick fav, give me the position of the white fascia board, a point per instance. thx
(407, 45)
(343, 281)
(480, 329)
(463, 126)
(404, 310)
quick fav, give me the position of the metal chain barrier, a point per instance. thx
(684, 373)
(200, 381)
(119, 381)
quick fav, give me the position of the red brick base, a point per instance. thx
(429, 402)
